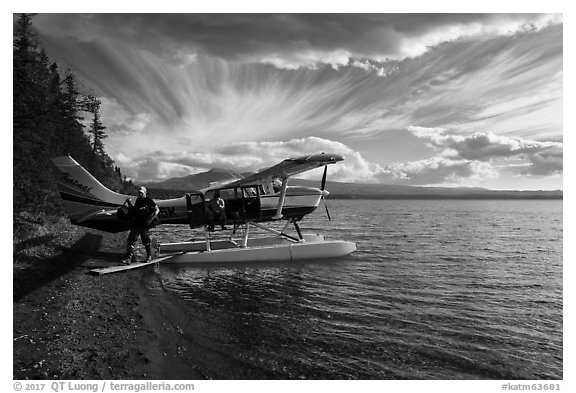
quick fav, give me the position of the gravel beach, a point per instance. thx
(69, 324)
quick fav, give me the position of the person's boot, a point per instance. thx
(130, 255)
(128, 259)
(148, 253)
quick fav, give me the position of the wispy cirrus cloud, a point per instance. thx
(186, 90)
(292, 40)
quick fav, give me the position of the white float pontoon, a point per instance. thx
(280, 247)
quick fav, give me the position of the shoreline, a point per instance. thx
(69, 324)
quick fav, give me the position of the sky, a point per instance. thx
(457, 100)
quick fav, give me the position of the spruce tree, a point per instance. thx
(96, 127)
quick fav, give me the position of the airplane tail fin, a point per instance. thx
(82, 195)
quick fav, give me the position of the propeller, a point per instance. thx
(324, 192)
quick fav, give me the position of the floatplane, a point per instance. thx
(249, 203)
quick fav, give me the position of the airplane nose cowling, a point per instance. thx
(336, 158)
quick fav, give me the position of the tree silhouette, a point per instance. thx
(92, 105)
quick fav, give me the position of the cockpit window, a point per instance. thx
(250, 192)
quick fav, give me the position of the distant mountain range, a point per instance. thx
(196, 181)
(177, 186)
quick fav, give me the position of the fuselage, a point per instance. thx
(242, 204)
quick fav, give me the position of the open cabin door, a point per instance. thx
(196, 209)
(251, 202)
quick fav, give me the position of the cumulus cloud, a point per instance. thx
(539, 157)
(474, 159)
(546, 162)
(251, 157)
(438, 170)
(355, 168)
(481, 146)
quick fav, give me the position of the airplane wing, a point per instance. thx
(289, 167)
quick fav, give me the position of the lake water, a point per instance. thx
(436, 290)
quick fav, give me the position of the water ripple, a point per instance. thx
(436, 290)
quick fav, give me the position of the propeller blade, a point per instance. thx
(327, 212)
(323, 185)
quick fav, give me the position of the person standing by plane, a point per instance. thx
(143, 216)
(217, 212)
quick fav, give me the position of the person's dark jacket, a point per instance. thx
(143, 211)
(142, 214)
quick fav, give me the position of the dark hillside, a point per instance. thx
(48, 115)
(48, 111)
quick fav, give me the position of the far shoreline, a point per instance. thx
(446, 197)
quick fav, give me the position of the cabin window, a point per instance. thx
(268, 188)
(250, 192)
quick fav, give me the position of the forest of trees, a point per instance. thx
(48, 122)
